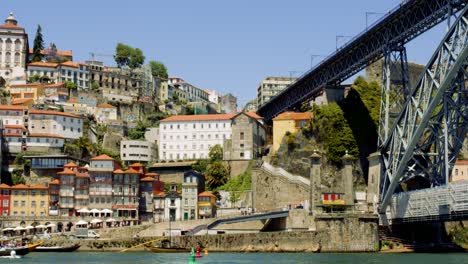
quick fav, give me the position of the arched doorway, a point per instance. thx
(59, 227)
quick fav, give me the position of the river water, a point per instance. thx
(240, 258)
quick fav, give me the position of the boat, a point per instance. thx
(57, 248)
(166, 247)
(19, 251)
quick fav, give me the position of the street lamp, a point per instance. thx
(369, 14)
(339, 37)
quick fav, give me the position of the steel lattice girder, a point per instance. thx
(395, 90)
(437, 79)
(413, 18)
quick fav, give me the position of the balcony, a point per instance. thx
(67, 205)
(66, 194)
(100, 193)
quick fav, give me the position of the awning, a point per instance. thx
(95, 211)
(29, 227)
(50, 225)
(40, 226)
(107, 211)
(84, 210)
(19, 228)
(95, 221)
(8, 229)
(82, 222)
(110, 220)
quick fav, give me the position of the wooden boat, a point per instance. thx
(57, 248)
(20, 251)
(166, 247)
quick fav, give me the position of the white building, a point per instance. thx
(55, 123)
(271, 86)
(105, 112)
(136, 151)
(12, 115)
(13, 50)
(77, 73)
(172, 204)
(189, 137)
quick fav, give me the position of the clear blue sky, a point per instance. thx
(229, 46)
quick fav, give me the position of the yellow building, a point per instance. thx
(206, 205)
(26, 91)
(288, 122)
(29, 200)
(460, 171)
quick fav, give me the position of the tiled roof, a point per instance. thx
(15, 127)
(293, 116)
(43, 64)
(10, 26)
(198, 117)
(25, 85)
(82, 175)
(66, 53)
(4, 186)
(21, 101)
(54, 182)
(67, 171)
(118, 171)
(136, 165)
(102, 157)
(20, 186)
(461, 162)
(151, 174)
(12, 107)
(45, 135)
(47, 112)
(131, 171)
(11, 135)
(206, 194)
(55, 85)
(70, 64)
(70, 164)
(105, 106)
(38, 186)
(253, 115)
(147, 179)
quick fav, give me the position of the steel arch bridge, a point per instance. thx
(423, 125)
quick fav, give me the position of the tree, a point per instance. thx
(122, 54)
(158, 69)
(70, 85)
(200, 166)
(34, 78)
(38, 45)
(216, 153)
(136, 58)
(94, 86)
(216, 174)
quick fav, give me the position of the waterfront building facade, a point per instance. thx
(193, 184)
(5, 199)
(29, 200)
(206, 205)
(248, 137)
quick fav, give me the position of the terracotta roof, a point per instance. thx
(253, 115)
(47, 112)
(70, 164)
(11, 135)
(21, 101)
(12, 107)
(54, 182)
(67, 171)
(20, 186)
(43, 64)
(147, 179)
(38, 186)
(118, 171)
(102, 157)
(11, 26)
(105, 106)
(198, 117)
(55, 85)
(82, 175)
(4, 186)
(293, 116)
(461, 162)
(131, 171)
(15, 127)
(45, 135)
(25, 85)
(152, 174)
(66, 53)
(159, 194)
(136, 165)
(73, 100)
(70, 64)
(206, 194)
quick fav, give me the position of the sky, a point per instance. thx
(228, 46)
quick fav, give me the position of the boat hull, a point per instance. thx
(57, 249)
(20, 251)
(168, 250)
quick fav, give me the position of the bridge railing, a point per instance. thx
(442, 200)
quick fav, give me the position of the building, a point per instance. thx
(5, 199)
(271, 86)
(136, 151)
(26, 91)
(54, 197)
(105, 112)
(52, 72)
(190, 137)
(460, 171)
(248, 137)
(55, 123)
(82, 105)
(194, 183)
(172, 204)
(100, 182)
(29, 200)
(65, 54)
(146, 198)
(288, 122)
(159, 201)
(206, 205)
(228, 104)
(14, 48)
(125, 192)
(251, 106)
(67, 190)
(49, 165)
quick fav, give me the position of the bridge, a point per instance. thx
(423, 125)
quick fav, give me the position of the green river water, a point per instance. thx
(238, 258)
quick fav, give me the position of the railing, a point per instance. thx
(282, 173)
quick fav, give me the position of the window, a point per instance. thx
(42, 203)
(23, 203)
(5, 203)
(242, 145)
(241, 135)
(242, 154)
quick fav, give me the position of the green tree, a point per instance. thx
(94, 86)
(216, 153)
(136, 58)
(38, 45)
(158, 69)
(17, 178)
(216, 174)
(122, 54)
(200, 166)
(34, 78)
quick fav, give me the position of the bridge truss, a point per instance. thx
(428, 133)
(406, 22)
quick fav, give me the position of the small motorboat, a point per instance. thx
(57, 248)
(19, 251)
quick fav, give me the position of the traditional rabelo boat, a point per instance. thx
(57, 248)
(166, 247)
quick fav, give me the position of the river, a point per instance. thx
(240, 258)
